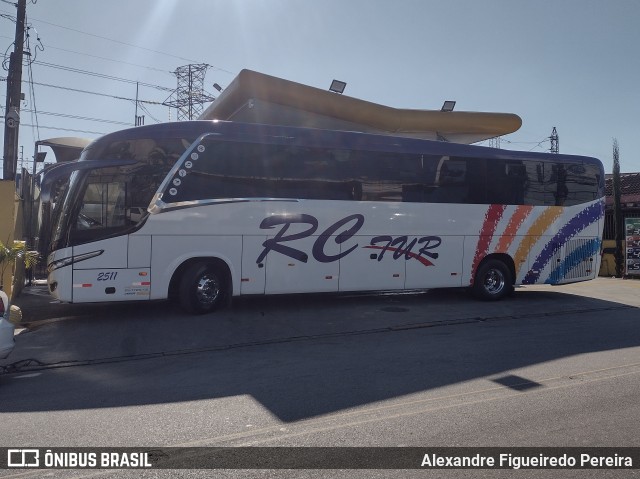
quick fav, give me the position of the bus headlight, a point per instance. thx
(61, 263)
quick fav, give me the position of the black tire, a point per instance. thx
(492, 281)
(203, 289)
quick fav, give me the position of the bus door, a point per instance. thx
(253, 272)
(116, 268)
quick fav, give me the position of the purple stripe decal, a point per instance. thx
(579, 222)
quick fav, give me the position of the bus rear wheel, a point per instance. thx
(203, 288)
(492, 281)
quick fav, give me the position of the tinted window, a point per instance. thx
(515, 182)
(248, 170)
(386, 176)
(450, 180)
(109, 204)
(252, 170)
(114, 200)
(572, 183)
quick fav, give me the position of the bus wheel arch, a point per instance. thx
(202, 285)
(494, 278)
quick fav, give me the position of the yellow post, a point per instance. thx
(7, 224)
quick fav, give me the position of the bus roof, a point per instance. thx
(190, 130)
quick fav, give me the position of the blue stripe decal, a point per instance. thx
(586, 217)
(574, 259)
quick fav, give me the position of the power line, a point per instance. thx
(143, 108)
(167, 72)
(77, 117)
(539, 145)
(11, 17)
(124, 43)
(107, 59)
(112, 40)
(64, 129)
(101, 75)
(77, 90)
(32, 94)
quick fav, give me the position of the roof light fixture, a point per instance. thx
(337, 86)
(448, 105)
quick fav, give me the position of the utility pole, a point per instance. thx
(555, 141)
(14, 90)
(138, 119)
(136, 113)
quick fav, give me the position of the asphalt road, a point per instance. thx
(547, 367)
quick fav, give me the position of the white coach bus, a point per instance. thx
(202, 211)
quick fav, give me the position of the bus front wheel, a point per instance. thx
(203, 289)
(492, 281)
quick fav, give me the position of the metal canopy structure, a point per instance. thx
(66, 148)
(254, 97)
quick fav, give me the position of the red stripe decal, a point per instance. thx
(491, 220)
(515, 222)
(410, 254)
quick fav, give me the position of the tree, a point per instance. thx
(617, 210)
(10, 255)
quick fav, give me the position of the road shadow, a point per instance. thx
(306, 355)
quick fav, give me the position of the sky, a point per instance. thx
(569, 64)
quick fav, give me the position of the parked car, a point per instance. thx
(6, 328)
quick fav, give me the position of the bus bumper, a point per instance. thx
(6, 338)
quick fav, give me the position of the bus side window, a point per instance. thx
(370, 170)
(515, 182)
(555, 184)
(451, 182)
(581, 183)
(477, 181)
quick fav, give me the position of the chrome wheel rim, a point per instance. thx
(494, 281)
(208, 289)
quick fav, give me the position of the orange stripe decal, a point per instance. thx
(515, 222)
(538, 228)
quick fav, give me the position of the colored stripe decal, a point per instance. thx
(573, 227)
(491, 220)
(515, 222)
(574, 259)
(539, 226)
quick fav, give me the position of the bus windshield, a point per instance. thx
(101, 203)
(112, 200)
